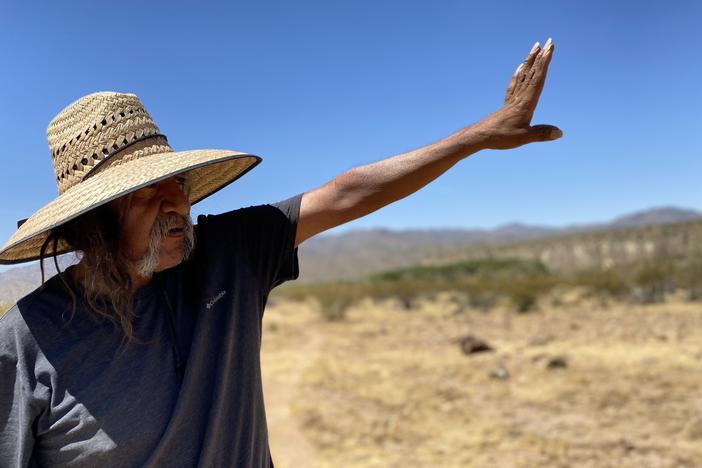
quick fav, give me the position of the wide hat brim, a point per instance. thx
(208, 171)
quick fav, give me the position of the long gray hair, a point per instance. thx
(107, 284)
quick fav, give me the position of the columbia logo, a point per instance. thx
(215, 299)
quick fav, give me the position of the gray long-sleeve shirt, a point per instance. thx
(188, 394)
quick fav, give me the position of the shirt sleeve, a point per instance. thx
(263, 236)
(286, 266)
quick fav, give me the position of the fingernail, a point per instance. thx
(555, 134)
(536, 46)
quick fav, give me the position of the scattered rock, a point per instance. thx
(538, 357)
(557, 362)
(541, 340)
(626, 446)
(660, 336)
(471, 345)
(499, 373)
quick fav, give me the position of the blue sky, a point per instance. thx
(316, 88)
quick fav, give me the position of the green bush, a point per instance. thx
(334, 298)
(689, 275)
(652, 280)
(608, 283)
(482, 268)
(525, 293)
(482, 283)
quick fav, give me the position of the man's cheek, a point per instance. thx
(137, 246)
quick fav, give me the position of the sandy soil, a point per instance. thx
(578, 386)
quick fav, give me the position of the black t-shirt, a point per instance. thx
(189, 394)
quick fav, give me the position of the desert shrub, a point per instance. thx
(333, 298)
(336, 298)
(482, 268)
(483, 283)
(689, 275)
(406, 291)
(652, 280)
(334, 308)
(523, 299)
(608, 283)
(481, 299)
(524, 293)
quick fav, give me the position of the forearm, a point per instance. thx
(367, 188)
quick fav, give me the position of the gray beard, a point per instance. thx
(147, 264)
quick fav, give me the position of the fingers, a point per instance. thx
(513, 83)
(535, 85)
(523, 72)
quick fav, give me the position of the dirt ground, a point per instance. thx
(577, 386)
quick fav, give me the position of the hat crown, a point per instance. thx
(93, 129)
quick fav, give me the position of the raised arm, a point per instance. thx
(365, 189)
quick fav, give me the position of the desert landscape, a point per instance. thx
(571, 350)
(580, 384)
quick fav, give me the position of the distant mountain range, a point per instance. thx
(664, 215)
(358, 253)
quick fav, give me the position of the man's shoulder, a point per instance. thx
(22, 358)
(9, 320)
(230, 226)
(13, 331)
(251, 212)
(230, 216)
(36, 309)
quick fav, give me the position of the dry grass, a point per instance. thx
(391, 387)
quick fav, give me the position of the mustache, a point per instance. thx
(159, 231)
(166, 221)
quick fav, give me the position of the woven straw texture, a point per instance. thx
(105, 146)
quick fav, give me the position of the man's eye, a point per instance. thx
(183, 184)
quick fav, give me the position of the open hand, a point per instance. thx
(510, 126)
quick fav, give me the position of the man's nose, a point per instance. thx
(174, 198)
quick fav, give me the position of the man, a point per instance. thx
(146, 353)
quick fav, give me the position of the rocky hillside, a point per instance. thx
(357, 254)
(600, 249)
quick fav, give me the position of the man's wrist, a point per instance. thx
(471, 139)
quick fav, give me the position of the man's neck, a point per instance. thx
(138, 282)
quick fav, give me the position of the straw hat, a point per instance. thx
(104, 146)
